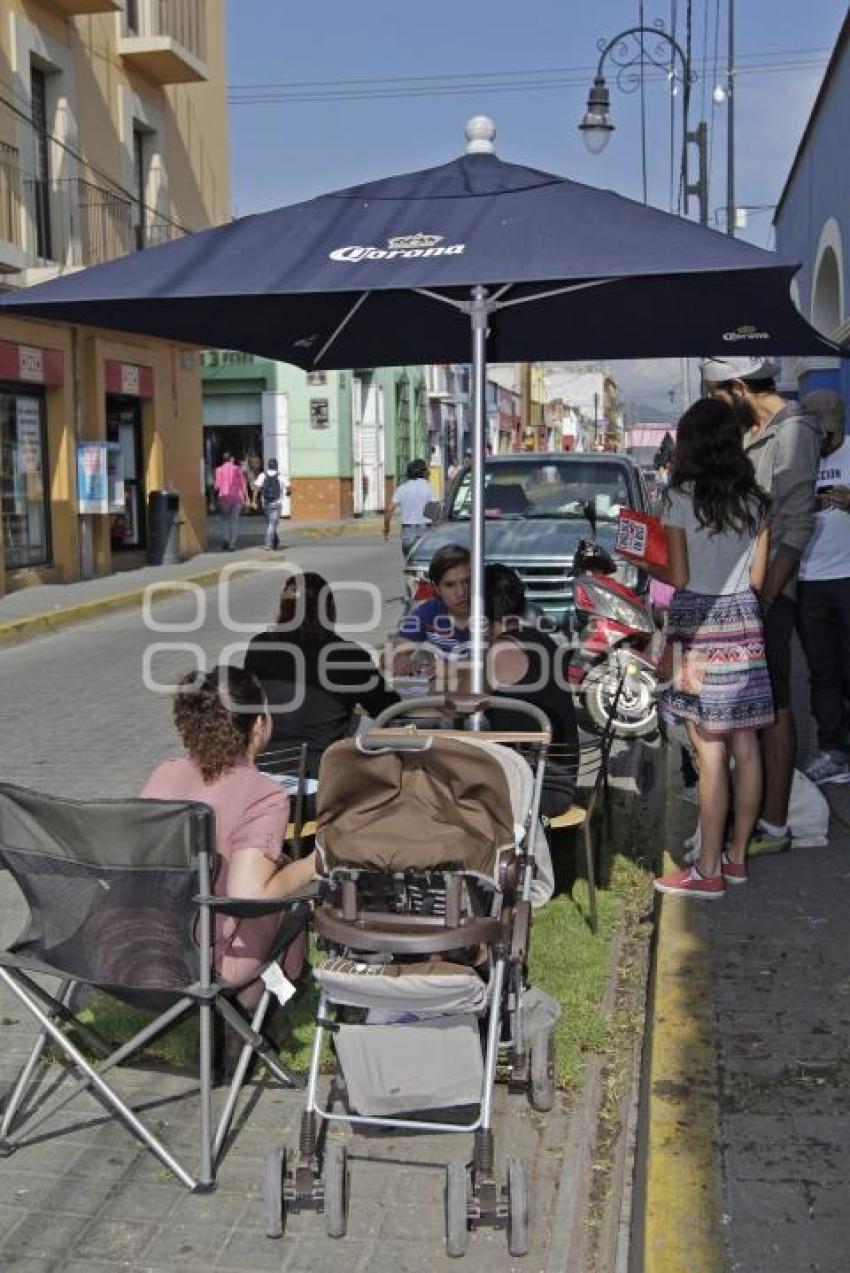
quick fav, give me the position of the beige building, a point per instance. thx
(113, 139)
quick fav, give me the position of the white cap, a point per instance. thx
(717, 370)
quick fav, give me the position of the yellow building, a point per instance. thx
(113, 139)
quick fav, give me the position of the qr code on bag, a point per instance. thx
(631, 537)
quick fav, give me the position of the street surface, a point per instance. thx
(80, 722)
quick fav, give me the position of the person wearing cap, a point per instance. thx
(783, 443)
(823, 594)
(411, 499)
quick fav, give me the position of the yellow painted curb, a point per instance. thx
(52, 620)
(683, 1223)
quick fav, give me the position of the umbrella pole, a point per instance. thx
(479, 313)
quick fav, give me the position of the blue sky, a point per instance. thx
(286, 150)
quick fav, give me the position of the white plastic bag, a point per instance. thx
(808, 814)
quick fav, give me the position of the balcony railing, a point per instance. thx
(166, 40)
(76, 222)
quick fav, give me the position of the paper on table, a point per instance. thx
(289, 782)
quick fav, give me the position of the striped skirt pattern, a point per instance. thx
(713, 670)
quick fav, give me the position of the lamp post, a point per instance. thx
(596, 126)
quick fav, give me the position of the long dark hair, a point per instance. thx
(709, 455)
(308, 598)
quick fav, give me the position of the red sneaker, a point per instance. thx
(689, 883)
(733, 872)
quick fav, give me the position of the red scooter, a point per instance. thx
(614, 628)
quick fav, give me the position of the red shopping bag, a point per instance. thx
(641, 537)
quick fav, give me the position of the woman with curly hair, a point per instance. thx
(717, 677)
(223, 720)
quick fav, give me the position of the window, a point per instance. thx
(132, 17)
(23, 484)
(319, 413)
(317, 378)
(140, 173)
(550, 489)
(41, 165)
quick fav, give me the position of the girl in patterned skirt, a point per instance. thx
(717, 679)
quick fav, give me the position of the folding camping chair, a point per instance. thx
(119, 895)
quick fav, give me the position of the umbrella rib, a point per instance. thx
(464, 306)
(346, 320)
(558, 291)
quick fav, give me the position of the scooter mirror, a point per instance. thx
(590, 514)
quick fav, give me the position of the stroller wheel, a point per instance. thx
(543, 1071)
(275, 1206)
(518, 1207)
(457, 1230)
(336, 1190)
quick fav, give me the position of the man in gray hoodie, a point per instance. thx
(784, 444)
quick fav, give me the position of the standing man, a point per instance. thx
(823, 594)
(410, 500)
(270, 487)
(783, 443)
(232, 492)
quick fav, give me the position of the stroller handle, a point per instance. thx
(465, 705)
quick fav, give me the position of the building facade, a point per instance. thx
(812, 221)
(343, 439)
(586, 400)
(113, 139)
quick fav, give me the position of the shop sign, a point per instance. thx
(31, 364)
(129, 379)
(28, 420)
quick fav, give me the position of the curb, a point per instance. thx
(568, 1234)
(682, 1227)
(54, 620)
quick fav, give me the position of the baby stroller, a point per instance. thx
(427, 838)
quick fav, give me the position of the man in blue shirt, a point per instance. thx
(443, 621)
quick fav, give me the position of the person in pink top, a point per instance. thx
(222, 718)
(232, 492)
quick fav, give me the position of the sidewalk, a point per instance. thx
(45, 607)
(748, 1144)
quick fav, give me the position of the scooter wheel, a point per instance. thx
(599, 689)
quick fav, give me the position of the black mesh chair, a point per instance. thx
(119, 896)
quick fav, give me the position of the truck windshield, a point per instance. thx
(552, 488)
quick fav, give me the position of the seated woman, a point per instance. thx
(526, 663)
(223, 721)
(313, 679)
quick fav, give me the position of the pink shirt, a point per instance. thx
(251, 812)
(230, 482)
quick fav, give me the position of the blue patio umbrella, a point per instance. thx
(474, 260)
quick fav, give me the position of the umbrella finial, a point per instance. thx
(480, 131)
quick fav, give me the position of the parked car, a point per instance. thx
(535, 509)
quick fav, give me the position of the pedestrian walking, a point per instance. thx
(823, 594)
(232, 493)
(783, 442)
(716, 670)
(269, 486)
(411, 498)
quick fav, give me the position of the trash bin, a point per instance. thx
(163, 528)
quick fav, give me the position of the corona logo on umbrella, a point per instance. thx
(418, 244)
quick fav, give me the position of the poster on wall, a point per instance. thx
(92, 477)
(28, 419)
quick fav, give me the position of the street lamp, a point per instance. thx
(596, 127)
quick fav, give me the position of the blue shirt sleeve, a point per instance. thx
(414, 625)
